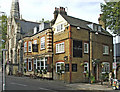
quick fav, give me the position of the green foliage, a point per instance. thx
(44, 71)
(92, 78)
(3, 28)
(111, 16)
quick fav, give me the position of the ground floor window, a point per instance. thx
(85, 67)
(74, 67)
(66, 67)
(41, 63)
(35, 64)
(29, 64)
(59, 66)
(105, 67)
(25, 65)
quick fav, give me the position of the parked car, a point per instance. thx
(116, 84)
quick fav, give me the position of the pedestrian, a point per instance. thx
(110, 78)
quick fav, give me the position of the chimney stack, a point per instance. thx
(60, 10)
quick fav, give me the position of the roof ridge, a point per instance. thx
(27, 21)
(78, 18)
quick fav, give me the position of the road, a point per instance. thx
(25, 83)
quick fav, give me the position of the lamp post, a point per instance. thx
(3, 68)
(115, 56)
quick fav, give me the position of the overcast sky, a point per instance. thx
(35, 10)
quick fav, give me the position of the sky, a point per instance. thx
(35, 10)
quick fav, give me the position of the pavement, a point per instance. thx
(94, 86)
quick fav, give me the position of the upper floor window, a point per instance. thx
(105, 67)
(60, 48)
(29, 46)
(42, 43)
(105, 49)
(59, 27)
(25, 47)
(85, 47)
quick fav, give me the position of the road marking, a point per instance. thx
(19, 84)
(48, 89)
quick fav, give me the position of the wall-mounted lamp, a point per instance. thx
(65, 58)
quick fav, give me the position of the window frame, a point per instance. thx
(60, 47)
(59, 65)
(87, 48)
(42, 43)
(30, 45)
(25, 46)
(29, 61)
(86, 66)
(104, 50)
(75, 68)
(44, 63)
(105, 64)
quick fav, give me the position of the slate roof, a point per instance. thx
(82, 23)
(27, 27)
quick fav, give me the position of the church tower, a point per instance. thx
(15, 11)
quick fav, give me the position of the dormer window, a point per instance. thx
(35, 30)
(99, 28)
(91, 26)
(95, 27)
(41, 26)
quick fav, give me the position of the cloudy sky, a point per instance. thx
(35, 10)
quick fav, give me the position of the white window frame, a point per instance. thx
(29, 45)
(58, 65)
(42, 41)
(25, 47)
(86, 49)
(35, 63)
(60, 27)
(105, 50)
(87, 65)
(44, 65)
(105, 66)
(60, 47)
(29, 61)
(99, 28)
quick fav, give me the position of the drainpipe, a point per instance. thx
(52, 55)
(70, 55)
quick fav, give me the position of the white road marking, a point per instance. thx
(48, 89)
(18, 84)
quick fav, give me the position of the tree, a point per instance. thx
(3, 28)
(111, 16)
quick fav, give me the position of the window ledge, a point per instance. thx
(42, 49)
(59, 53)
